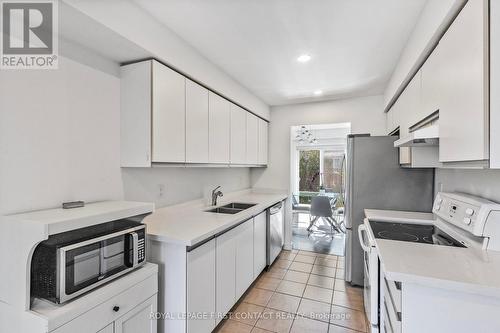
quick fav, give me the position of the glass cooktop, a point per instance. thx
(417, 233)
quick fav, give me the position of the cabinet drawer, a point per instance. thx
(103, 314)
(392, 306)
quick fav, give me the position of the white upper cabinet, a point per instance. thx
(263, 141)
(219, 129)
(238, 135)
(135, 99)
(252, 139)
(168, 118)
(169, 114)
(432, 82)
(463, 109)
(197, 138)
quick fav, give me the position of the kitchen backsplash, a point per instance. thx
(483, 183)
(171, 185)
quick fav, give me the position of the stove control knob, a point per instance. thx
(469, 211)
(467, 220)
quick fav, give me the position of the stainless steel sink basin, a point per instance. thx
(224, 210)
(231, 208)
(239, 205)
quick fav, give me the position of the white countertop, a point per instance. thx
(189, 223)
(463, 269)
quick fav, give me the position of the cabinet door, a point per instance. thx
(259, 243)
(463, 113)
(138, 319)
(196, 123)
(432, 80)
(201, 287)
(135, 120)
(219, 124)
(108, 329)
(244, 257)
(252, 139)
(238, 135)
(263, 141)
(169, 113)
(225, 272)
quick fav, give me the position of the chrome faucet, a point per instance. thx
(215, 195)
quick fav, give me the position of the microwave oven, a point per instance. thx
(71, 263)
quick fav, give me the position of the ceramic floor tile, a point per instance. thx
(304, 258)
(340, 285)
(348, 318)
(269, 283)
(340, 274)
(308, 253)
(282, 263)
(291, 288)
(321, 281)
(339, 329)
(283, 302)
(301, 325)
(246, 313)
(296, 276)
(348, 300)
(259, 330)
(314, 310)
(323, 270)
(301, 267)
(258, 296)
(275, 321)
(287, 255)
(340, 264)
(275, 272)
(328, 256)
(326, 262)
(231, 326)
(318, 294)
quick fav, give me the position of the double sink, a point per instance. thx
(231, 208)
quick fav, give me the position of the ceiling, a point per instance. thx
(354, 45)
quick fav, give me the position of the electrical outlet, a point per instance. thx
(161, 190)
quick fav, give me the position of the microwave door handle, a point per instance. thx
(133, 240)
(361, 231)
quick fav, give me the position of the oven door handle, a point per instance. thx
(361, 231)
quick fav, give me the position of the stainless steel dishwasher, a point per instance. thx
(274, 232)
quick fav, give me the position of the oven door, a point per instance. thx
(371, 276)
(88, 264)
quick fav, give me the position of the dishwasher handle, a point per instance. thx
(276, 208)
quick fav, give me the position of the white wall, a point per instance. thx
(483, 183)
(433, 20)
(133, 23)
(181, 184)
(59, 136)
(365, 115)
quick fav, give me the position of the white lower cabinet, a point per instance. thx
(259, 243)
(138, 319)
(244, 257)
(201, 288)
(225, 272)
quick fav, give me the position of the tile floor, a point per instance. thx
(302, 292)
(320, 240)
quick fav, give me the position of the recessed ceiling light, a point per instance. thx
(304, 58)
(318, 92)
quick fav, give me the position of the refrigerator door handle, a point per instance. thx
(361, 230)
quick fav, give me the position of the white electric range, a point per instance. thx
(459, 220)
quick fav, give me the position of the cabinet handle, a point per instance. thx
(116, 308)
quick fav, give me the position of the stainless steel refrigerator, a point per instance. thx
(375, 180)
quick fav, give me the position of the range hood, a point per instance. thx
(421, 137)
